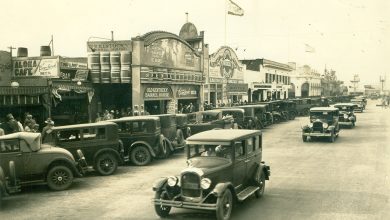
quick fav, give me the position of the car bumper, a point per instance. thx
(187, 205)
(82, 167)
(348, 123)
(317, 134)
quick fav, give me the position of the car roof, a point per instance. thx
(136, 118)
(232, 109)
(97, 124)
(254, 105)
(323, 109)
(29, 137)
(222, 135)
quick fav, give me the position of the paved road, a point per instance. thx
(348, 179)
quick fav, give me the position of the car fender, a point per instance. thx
(152, 152)
(110, 150)
(266, 169)
(220, 188)
(63, 161)
(331, 128)
(159, 184)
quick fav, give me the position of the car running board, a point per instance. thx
(247, 192)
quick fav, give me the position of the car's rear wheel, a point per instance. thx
(260, 179)
(180, 137)
(224, 205)
(140, 156)
(59, 178)
(106, 164)
(165, 150)
(162, 211)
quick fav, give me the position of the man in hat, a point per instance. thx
(47, 131)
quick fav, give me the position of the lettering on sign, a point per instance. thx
(157, 93)
(186, 92)
(99, 46)
(35, 67)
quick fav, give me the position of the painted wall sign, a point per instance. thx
(73, 65)
(98, 46)
(171, 53)
(37, 66)
(224, 63)
(237, 87)
(187, 92)
(157, 92)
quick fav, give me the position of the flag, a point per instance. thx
(309, 48)
(234, 9)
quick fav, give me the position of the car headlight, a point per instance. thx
(310, 125)
(205, 183)
(325, 125)
(172, 181)
(345, 116)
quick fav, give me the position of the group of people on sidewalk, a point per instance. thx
(11, 125)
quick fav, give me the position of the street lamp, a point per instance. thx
(14, 84)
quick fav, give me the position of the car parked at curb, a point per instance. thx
(99, 142)
(324, 122)
(346, 115)
(224, 166)
(361, 105)
(26, 161)
(238, 115)
(208, 120)
(182, 124)
(142, 139)
(256, 116)
(171, 132)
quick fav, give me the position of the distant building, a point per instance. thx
(267, 79)
(305, 82)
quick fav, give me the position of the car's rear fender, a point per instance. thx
(152, 152)
(108, 150)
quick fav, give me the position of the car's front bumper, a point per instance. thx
(314, 134)
(187, 205)
(347, 123)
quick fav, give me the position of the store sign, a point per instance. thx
(73, 65)
(262, 86)
(99, 46)
(35, 67)
(227, 62)
(157, 92)
(187, 92)
(237, 87)
(215, 80)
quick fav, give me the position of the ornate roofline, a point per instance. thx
(153, 36)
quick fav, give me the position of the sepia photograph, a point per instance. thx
(195, 109)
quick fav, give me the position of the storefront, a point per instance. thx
(225, 82)
(167, 74)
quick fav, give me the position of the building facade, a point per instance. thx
(267, 80)
(305, 82)
(225, 78)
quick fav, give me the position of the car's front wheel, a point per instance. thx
(332, 137)
(59, 178)
(140, 156)
(224, 205)
(304, 138)
(162, 211)
(106, 164)
(260, 179)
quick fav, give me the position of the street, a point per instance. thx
(348, 179)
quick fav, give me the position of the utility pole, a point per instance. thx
(382, 80)
(355, 82)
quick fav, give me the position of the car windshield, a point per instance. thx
(210, 150)
(345, 108)
(320, 115)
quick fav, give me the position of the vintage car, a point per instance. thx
(98, 141)
(25, 160)
(256, 116)
(238, 115)
(142, 138)
(171, 132)
(290, 108)
(346, 115)
(361, 104)
(324, 122)
(223, 166)
(207, 120)
(302, 106)
(182, 124)
(279, 113)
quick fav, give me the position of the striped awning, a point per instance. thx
(24, 90)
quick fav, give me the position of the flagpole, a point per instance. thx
(225, 19)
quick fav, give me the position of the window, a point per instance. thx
(249, 145)
(69, 135)
(239, 149)
(8, 146)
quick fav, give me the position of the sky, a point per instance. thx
(348, 36)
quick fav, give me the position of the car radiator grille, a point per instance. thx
(190, 185)
(317, 126)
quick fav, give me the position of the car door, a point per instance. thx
(254, 152)
(239, 170)
(10, 151)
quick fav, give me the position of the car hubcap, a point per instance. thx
(60, 177)
(140, 155)
(107, 164)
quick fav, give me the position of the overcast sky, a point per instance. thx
(349, 36)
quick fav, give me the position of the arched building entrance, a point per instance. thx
(305, 90)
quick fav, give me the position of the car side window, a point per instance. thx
(239, 149)
(9, 146)
(69, 135)
(250, 145)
